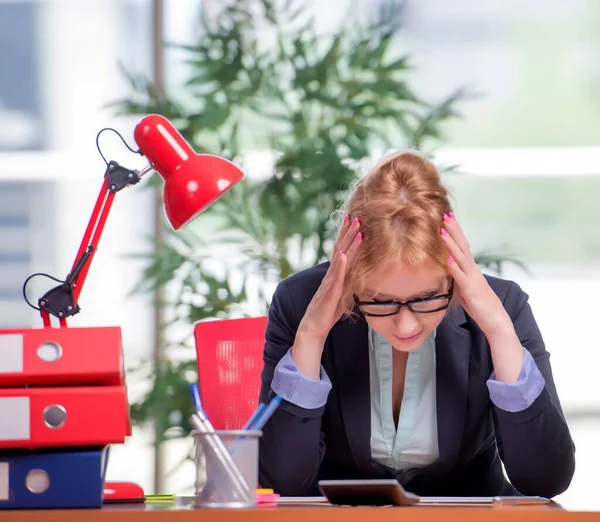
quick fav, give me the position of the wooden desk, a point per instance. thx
(141, 513)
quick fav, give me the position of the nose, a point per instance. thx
(406, 323)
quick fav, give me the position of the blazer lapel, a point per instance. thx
(351, 357)
(351, 362)
(453, 350)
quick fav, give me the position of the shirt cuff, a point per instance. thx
(293, 386)
(520, 395)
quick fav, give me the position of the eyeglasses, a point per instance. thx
(426, 305)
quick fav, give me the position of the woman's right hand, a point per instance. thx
(326, 308)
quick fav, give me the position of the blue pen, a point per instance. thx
(200, 422)
(254, 416)
(266, 414)
(257, 421)
(195, 391)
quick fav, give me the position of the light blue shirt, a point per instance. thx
(402, 447)
(414, 443)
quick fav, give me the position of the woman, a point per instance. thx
(399, 358)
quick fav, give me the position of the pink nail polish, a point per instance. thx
(356, 221)
(452, 215)
(359, 236)
(446, 217)
(347, 218)
(444, 232)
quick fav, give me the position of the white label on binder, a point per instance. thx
(11, 353)
(4, 481)
(14, 418)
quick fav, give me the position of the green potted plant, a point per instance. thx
(262, 78)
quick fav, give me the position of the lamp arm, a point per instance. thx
(62, 300)
(192, 182)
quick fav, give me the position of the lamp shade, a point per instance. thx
(192, 182)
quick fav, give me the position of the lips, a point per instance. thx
(408, 339)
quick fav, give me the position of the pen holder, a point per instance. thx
(226, 468)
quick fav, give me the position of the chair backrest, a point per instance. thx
(229, 354)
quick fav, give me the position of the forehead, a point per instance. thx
(404, 281)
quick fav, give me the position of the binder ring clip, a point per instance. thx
(55, 416)
(37, 481)
(49, 352)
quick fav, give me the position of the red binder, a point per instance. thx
(61, 357)
(53, 417)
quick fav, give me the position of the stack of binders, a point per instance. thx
(63, 401)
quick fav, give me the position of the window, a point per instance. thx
(24, 231)
(20, 106)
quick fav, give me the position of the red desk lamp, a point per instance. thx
(72, 380)
(192, 182)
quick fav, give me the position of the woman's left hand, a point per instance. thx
(476, 296)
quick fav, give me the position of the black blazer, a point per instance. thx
(300, 446)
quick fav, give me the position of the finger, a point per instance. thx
(341, 235)
(350, 235)
(351, 252)
(336, 271)
(336, 284)
(455, 251)
(455, 271)
(455, 230)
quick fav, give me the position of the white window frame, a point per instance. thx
(479, 162)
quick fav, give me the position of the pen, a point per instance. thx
(258, 419)
(200, 422)
(221, 453)
(254, 416)
(195, 391)
(265, 415)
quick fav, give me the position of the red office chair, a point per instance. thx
(230, 362)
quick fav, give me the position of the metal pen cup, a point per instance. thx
(226, 467)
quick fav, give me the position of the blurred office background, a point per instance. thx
(526, 148)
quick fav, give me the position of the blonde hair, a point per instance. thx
(400, 205)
